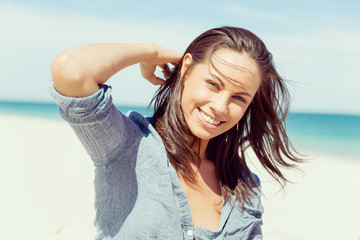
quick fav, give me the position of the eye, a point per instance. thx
(240, 99)
(213, 84)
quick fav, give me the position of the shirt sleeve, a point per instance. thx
(101, 128)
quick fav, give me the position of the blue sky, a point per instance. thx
(315, 43)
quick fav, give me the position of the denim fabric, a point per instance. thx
(137, 191)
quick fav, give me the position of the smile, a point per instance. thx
(209, 119)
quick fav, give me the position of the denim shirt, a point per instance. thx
(138, 194)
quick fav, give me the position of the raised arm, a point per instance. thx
(77, 72)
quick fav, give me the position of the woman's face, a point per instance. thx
(214, 101)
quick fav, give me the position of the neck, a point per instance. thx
(200, 148)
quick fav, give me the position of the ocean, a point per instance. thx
(313, 133)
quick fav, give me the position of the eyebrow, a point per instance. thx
(223, 85)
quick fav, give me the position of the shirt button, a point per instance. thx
(189, 233)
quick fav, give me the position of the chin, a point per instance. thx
(203, 135)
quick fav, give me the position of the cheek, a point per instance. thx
(237, 113)
(195, 94)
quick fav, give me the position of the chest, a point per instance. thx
(205, 201)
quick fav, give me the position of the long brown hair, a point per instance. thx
(262, 127)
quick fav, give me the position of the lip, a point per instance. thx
(205, 123)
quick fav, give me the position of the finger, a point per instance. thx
(177, 57)
(156, 80)
(160, 81)
(171, 55)
(176, 60)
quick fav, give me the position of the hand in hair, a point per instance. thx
(162, 57)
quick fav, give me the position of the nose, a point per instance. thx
(220, 104)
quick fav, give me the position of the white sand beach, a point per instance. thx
(47, 189)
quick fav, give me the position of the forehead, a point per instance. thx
(240, 68)
(235, 62)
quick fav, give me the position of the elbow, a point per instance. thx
(64, 71)
(67, 77)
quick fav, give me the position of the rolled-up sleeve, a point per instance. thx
(101, 128)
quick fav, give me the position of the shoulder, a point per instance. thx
(256, 180)
(254, 206)
(144, 123)
(255, 188)
(151, 149)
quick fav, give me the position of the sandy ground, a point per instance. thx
(46, 182)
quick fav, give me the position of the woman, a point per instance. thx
(180, 174)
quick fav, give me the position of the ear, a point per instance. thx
(187, 60)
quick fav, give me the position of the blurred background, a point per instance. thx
(46, 187)
(315, 46)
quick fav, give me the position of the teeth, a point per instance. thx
(209, 119)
